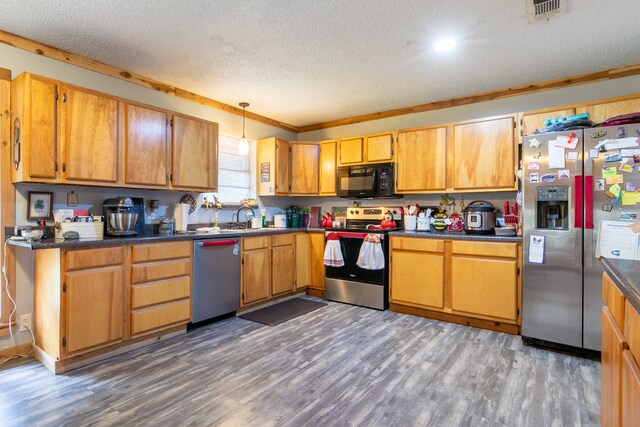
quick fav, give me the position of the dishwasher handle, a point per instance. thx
(208, 243)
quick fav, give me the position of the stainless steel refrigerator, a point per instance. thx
(567, 194)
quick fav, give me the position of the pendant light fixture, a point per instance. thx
(243, 147)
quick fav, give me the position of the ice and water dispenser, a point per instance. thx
(552, 208)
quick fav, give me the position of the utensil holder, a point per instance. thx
(410, 222)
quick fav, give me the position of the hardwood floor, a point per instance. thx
(339, 365)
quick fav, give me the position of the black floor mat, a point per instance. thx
(281, 312)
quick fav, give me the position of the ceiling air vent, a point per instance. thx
(538, 10)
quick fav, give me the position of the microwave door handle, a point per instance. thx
(375, 180)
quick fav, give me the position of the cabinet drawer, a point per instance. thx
(417, 244)
(159, 316)
(160, 291)
(89, 258)
(257, 242)
(160, 270)
(614, 299)
(160, 251)
(492, 249)
(282, 239)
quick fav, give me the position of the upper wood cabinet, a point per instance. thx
(62, 133)
(602, 110)
(328, 150)
(273, 167)
(530, 122)
(377, 148)
(484, 155)
(194, 153)
(146, 146)
(304, 168)
(421, 163)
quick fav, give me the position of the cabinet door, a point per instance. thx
(90, 136)
(417, 278)
(484, 286)
(630, 390)
(484, 155)
(328, 168)
(145, 146)
(316, 260)
(194, 154)
(600, 112)
(302, 260)
(94, 307)
(613, 344)
(421, 160)
(282, 171)
(256, 275)
(531, 122)
(379, 148)
(282, 269)
(304, 168)
(350, 151)
(42, 148)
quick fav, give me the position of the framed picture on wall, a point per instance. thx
(40, 206)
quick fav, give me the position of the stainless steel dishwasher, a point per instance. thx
(216, 278)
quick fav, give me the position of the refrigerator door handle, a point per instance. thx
(588, 202)
(577, 201)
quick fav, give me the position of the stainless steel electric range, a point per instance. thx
(350, 283)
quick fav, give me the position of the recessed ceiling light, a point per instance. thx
(446, 44)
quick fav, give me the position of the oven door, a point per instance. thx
(351, 243)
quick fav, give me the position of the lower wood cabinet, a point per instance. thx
(316, 261)
(268, 267)
(620, 382)
(459, 279)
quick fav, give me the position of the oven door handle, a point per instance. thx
(351, 235)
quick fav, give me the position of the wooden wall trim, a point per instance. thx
(611, 74)
(89, 64)
(5, 74)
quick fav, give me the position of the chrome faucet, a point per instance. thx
(240, 210)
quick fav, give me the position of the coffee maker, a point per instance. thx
(120, 216)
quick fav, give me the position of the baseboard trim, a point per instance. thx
(20, 350)
(455, 318)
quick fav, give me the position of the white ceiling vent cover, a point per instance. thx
(538, 10)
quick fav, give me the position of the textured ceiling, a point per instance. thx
(310, 61)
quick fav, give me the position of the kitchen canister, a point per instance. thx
(410, 222)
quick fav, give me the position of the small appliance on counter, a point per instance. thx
(280, 221)
(121, 218)
(480, 218)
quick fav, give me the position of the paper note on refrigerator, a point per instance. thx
(536, 249)
(616, 240)
(612, 144)
(556, 155)
(630, 198)
(564, 142)
(609, 172)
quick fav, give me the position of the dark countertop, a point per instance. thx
(455, 235)
(151, 238)
(626, 274)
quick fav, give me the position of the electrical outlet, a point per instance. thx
(25, 322)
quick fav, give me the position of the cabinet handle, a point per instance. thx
(55, 167)
(64, 97)
(64, 167)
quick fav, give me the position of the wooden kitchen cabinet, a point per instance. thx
(328, 151)
(613, 344)
(630, 393)
(78, 300)
(194, 153)
(304, 168)
(484, 279)
(417, 272)
(484, 154)
(256, 269)
(146, 146)
(602, 110)
(273, 167)
(160, 286)
(376, 148)
(283, 257)
(316, 261)
(63, 133)
(421, 160)
(530, 122)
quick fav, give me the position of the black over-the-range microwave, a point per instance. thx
(367, 181)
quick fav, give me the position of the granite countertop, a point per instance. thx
(455, 235)
(151, 238)
(626, 274)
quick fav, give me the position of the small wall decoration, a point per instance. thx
(40, 206)
(265, 172)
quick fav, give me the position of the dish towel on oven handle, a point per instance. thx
(333, 252)
(371, 256)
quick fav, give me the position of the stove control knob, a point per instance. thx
(357, 212)
(351, 212)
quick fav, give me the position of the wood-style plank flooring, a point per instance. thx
(339, 365)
